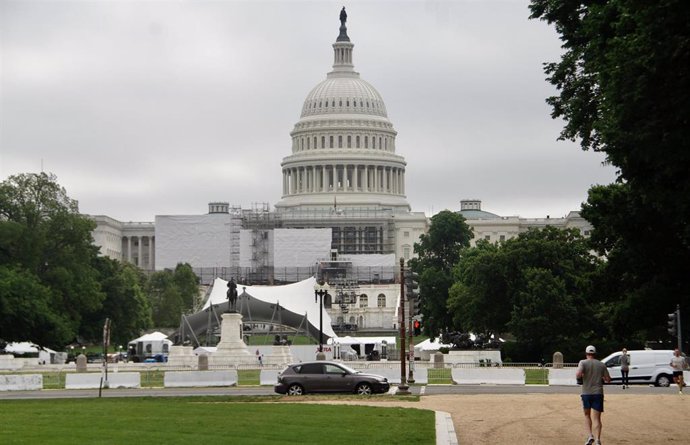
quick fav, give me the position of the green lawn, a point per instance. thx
(536, 376)
(188, 420)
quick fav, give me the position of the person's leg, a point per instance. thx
(680, 382)
(588, 424)
(596, 423)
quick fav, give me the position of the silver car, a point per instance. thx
(324, 376)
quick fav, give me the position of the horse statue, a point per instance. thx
(232, 295)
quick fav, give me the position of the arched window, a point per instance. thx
(314, 142)
(366, 141)
(331, 142)
(352, 319)
(340, 142)
(379, 143)
(323, 141)
(363, 300)
(349, 141)
(373, 142)
(340, 320)
(308, 144)
(357, 141)
(381, 301)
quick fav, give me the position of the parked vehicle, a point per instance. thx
(646, 366)
(324, 376)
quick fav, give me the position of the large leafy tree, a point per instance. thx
(624, 89)
(537, 286)
(126, 304)
(172, 293)
(46, 245)
(437, 253)
(478, 299)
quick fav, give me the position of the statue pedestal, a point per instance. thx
(231, 350)
(182, 356)
(280, 355)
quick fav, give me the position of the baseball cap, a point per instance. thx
(591, 350)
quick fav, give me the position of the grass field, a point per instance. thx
(188, 420)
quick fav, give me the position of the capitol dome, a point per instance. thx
(343, 146)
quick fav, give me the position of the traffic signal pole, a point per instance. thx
(403, 389)
(680, 342)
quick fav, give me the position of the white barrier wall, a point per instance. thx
(179, 379)
(494, 376)
(21, 382)
(92, 380)
(8, 362)
(564, 377)
(268, 377)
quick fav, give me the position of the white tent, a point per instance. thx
(22, 347)
(429, 345)
(295, 297)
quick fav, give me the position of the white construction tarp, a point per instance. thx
(370, 260)
(300, 247)
(295, 297)
(200, 240)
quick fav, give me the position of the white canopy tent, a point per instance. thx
(295, 297)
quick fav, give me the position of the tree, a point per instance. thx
(438, 251)
(125, 303)
(187, 284)
(48, 244)
(537, 286)
(165, 299)
(479, 300)
(624, 87)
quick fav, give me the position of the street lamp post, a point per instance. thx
(319, 294)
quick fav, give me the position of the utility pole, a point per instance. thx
(403, 389)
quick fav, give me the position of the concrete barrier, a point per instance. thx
(563, 377)
(21, 382)
(268, 377)
(179, 379)
(421, 375)
(494, 376)
(91, 380)
(8, 362)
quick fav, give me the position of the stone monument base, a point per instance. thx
(231, 350)
(182, 356)
(280, 355)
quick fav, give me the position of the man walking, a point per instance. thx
(678, 364)
(593, 374)
(625, 368)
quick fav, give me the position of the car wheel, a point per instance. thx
(364, 389)
(663, 380)
(295, 390)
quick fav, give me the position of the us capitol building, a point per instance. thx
(343, 202)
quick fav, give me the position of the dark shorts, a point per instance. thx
(593, 401)
(677, 373)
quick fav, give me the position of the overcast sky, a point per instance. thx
(145, 108)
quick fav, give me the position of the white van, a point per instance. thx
(646, 366)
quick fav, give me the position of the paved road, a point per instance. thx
(267, 390)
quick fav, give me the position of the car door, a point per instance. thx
(337, 379)
(311, 377)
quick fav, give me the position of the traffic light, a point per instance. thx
(673, 324)
(417, 325)
(412, 292)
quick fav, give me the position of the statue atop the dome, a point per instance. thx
(343, 29)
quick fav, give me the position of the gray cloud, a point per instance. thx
(157, 107)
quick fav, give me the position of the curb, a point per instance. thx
(445, 431)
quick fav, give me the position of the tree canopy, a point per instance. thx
(624, 90)
(54, 287)
(537, 286)
(438, 251)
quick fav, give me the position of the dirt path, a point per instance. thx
(558, 419)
